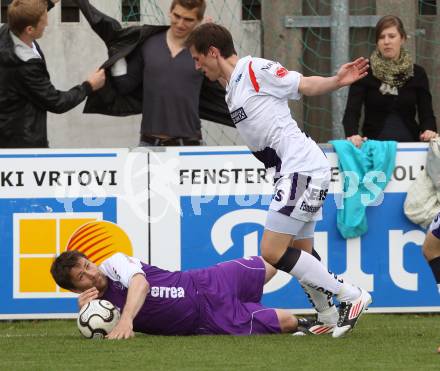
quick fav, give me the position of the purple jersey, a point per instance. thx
(172, 305)
(223, 299)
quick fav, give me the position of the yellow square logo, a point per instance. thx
(35, 275)
(38, 236)
(38, 239)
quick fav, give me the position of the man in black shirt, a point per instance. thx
(171, 83)
(155, 75)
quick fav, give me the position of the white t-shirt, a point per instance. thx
(23, 51)
(121, 268)
(257, 96)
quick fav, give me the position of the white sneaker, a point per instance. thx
(349, 313)
(321, 328)
(326, 321)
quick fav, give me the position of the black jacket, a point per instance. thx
(121, 42)
(414, 97)
(26, 94)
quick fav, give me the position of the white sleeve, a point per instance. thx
(119, 68)
(120, 267)
(274, 79)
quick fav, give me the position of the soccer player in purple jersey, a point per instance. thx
(222, 299)
(431, 249)
(257, 94)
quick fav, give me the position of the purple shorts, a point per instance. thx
(230, 299)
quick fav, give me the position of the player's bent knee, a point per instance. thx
(269, 255)
(273, 246)
(270, 271)
(288, 322)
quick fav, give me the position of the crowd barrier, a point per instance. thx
(187, 208)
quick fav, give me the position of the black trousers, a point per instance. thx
(147, 140)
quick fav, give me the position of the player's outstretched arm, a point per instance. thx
(137, 293)
(347, 74)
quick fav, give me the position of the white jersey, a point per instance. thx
(121, 268)
(257, 97)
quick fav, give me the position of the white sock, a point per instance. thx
(322, 302)
(348, 293)
(329, 316)
(438, 287)
(318, 299)
(310, 272)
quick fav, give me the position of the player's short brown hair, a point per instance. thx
(190, 5)
(211, 34)
(24, 13)
(389, 21)
(62, 266)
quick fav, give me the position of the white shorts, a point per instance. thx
(434, 228)
(301, 196)
(277, 222)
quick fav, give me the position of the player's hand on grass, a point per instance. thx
(123, 330)
(87, 296)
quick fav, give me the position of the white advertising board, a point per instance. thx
(45, 195)
(210, 205)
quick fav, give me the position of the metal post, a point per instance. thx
(340, 21)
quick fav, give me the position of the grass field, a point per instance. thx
(379, 342)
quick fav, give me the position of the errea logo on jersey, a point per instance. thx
(167, 292)
(238, 115)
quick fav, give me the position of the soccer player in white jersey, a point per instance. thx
(257, 93)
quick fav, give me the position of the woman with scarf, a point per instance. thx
(392, 93)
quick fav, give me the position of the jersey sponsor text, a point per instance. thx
(167, 292)
(238, 115)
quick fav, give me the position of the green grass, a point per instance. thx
(379, 342)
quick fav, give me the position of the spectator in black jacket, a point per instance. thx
(393, 92)
(26, 93)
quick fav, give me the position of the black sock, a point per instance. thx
(435, 267)
(288, 260)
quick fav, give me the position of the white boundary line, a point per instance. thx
(38, 316)
(386, 310)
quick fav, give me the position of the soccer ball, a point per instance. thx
(97, 319)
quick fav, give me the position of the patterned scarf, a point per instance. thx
(393, 73)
